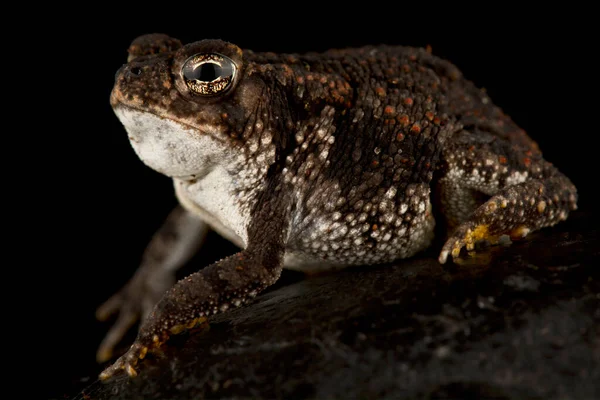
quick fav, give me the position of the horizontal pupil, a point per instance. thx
(208, 72)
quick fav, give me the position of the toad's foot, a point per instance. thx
(126, 362)
(144, 343)
(466, 236)
(515, 211)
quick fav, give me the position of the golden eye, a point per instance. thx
(208, 74)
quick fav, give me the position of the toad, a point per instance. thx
(312, 162)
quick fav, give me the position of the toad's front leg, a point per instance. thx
(228, 283)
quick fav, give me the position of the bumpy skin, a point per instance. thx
(320, 161)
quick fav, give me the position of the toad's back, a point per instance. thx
(385, 116)
(383, 76)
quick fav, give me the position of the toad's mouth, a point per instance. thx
(119, 101)
(169, 147)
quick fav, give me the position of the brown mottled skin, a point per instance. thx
(332, 159)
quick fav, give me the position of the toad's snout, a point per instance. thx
(126, 84)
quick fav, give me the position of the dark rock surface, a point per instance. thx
(521, 321)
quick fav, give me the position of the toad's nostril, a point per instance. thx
(137, 71)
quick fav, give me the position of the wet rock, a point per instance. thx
(512, 322)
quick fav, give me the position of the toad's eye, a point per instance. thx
(209, 74)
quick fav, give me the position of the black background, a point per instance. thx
(91, 206)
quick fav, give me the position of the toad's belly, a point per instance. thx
(358, 248)
(314, 247)
(324, 240)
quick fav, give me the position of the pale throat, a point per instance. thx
(211, 179)
(171, 148)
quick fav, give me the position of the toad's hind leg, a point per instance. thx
(524, 192)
